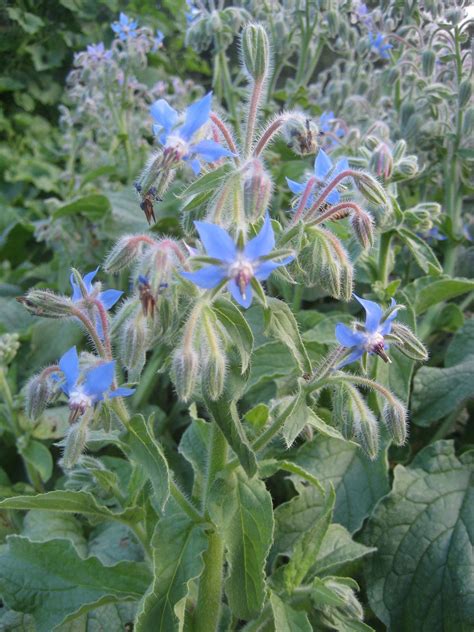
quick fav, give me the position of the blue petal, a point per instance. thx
(99, 380)
(217, 241)
(235, 291)
(109, 298)
(195, 166)
(333, 197)
(373, 312)
(341, 165)
(266, 267)
(69, 365)
(164, 115)
(197, 115)
(355, 355)
(121, 392)
(263, 243)
(322, 165)
(387, 324)
(76, 292)
(209, 150)
(88, 278)
(296, 187)
(348, 338)
(207, 277)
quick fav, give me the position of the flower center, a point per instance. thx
(242, 272)
(79, 402)
(177, 145)
(375, 343)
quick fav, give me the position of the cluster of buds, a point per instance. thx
(9, 345)
(213, 26)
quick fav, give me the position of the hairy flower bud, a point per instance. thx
(399, 150)
(255, 51)
(134, 345)
(371, 189)
(381, 161)
(257, 186)
(395, 418)
(405, 340)
(342, 411)
(408, 166)
(300, 133)
(38, 394)
(125, 252)
(363, 227)
(352, 607)
(186, 368)
(45, 303)
(75, 443)
(465, 92)
(428, 59)
(9, 345)
(365, 424)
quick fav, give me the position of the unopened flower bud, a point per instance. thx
(134, 344)
(125, 252)
(399, 150)
(382, 161)
(363, 227)
(408, 166)
(45, 303)
(465, 92)
(367, 434)
(408, 343)
(428, 59)
(300, 134)
(257, 186)
(213, 375)
(395, 418)
(255, 51)
(342, 411)
(38, 394)
(186, 368)
(9, 345)
(75, 443)
(352, 607)
(468, 123)
(371, 189)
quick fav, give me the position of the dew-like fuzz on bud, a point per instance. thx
(396, 419)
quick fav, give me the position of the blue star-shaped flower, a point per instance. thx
(324, 170)
(98, 52)
(236, 266)
(158, 41)
(378, 45)
(192, 12)
(108, 298)
(326, 121)
(370, 339)
(89, 387)
(179, 137)
(125, 28)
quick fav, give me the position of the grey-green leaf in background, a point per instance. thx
(422, 575)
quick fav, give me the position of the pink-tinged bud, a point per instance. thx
(382, 161)
(257, 186)
(363, 227)
(127, 250)
(395, 418)
(47, 304)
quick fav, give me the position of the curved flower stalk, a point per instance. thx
(240, 268)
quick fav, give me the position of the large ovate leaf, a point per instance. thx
(52, 583)
(241, 508)
(422, 575)
(178, 546)
(462, 345)
(337, 549)
(94, 206)
(428, 291)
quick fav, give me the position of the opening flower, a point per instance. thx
(158, 41)
(180, 137)
(98, 52)
(324, 171)
(84, 389)
(236, 266)
(125, 28)
(378, 45)
(108, 298)
(370, 337)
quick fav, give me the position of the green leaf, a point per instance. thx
(104, 170)
(49, 525)
(148, 453)
(38, 456)
(296, 411)
(68, 501)
(94, 206)
(257, 416)
(178, 545)
(283, 325)
(236, 327)
(209, 182)
(268, 467)
(359, 482)
(422, 576)
(462, 345)
(338, 549)
(113, 542)
(269, 362)
(307, 546)
(226, 416)
(50, 581)
(437, 392)
(194, 447)
(286, 618)
(421, 251)
(242, 510)
(426, 291)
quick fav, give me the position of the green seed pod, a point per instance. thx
(381, 161)
(468, 123)
(395, 418)
(408, 343)
(255, 51)
(352, 607)
(45, 303)
(76, 442)
(342, 411)
(365, 424)
(408, 167)
(214, 360)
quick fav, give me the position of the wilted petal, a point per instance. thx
(69, 365)
(99, 380)
(164, 115)
(373, 312)
(322, 164)
(263, 243)
(197, 115)
(209, 150)
(109, 298)
(217, 241)
(234, 289)
(207, 277)
(347, 337)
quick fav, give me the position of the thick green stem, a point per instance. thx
(210, 586)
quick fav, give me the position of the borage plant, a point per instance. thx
(211, 556)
